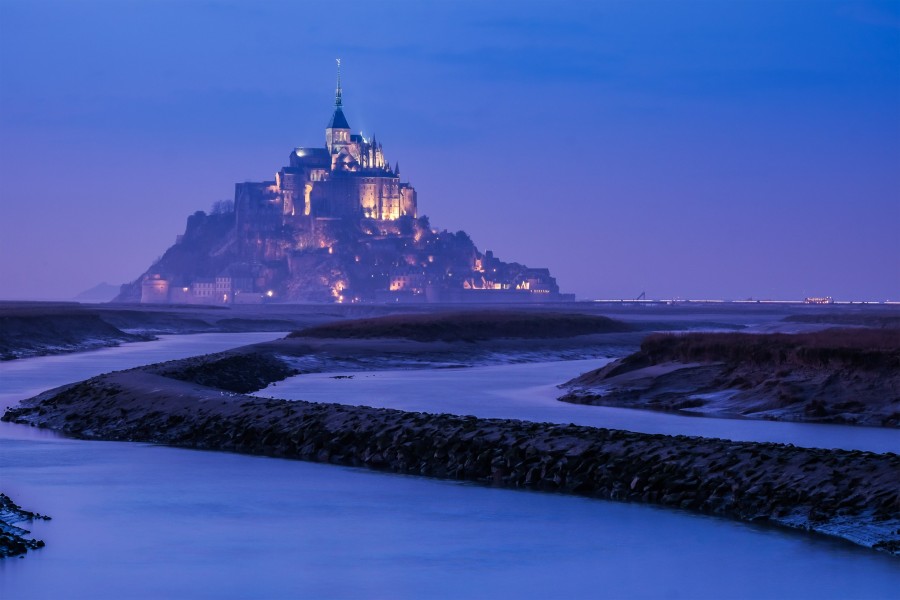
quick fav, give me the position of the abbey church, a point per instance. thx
(349, 177)
(336, 224)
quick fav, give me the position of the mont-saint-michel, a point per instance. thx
(316, 391)
(337, 224)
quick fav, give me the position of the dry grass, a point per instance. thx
(867, 349)
(468, 326)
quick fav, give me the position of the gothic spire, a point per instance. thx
(337, 91)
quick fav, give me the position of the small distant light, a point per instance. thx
(270, 293)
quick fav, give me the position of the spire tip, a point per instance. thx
(337, 91)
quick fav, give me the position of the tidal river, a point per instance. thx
(529, 392)
(140, 521)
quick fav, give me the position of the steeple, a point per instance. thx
(337, 91)
(337, 133)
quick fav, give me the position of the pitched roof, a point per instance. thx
(338, 120)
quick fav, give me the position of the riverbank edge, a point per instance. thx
(838, 376)
(12, 538)
(847, 494)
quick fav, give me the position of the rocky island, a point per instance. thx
(337, 224)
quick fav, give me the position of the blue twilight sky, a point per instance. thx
(686, 149)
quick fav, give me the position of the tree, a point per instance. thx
(222, 207)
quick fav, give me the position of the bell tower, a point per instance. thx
(337, 134)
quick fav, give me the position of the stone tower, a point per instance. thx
(337, 134)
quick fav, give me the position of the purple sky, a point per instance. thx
(691, 149)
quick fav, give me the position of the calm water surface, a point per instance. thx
(140, 521)
(529, 392)
(137, 521)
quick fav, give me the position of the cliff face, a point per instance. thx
(335, 260)
(206, 248)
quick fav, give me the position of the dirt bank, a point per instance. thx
(30, 329)
(469, 326)
(26, 335)
(848, 376)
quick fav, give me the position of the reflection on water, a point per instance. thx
(132, 520)
(529, 392)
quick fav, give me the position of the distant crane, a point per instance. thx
(643, 296)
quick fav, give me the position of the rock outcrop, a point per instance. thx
(12, 538)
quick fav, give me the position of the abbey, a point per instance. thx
(349, 177)
(336, 224)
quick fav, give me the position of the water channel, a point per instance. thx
(529, 391)
(141, 521)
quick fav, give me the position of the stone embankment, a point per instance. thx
(12, 539)
(850, 494)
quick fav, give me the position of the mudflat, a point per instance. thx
(847, 376)
(470, 326)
